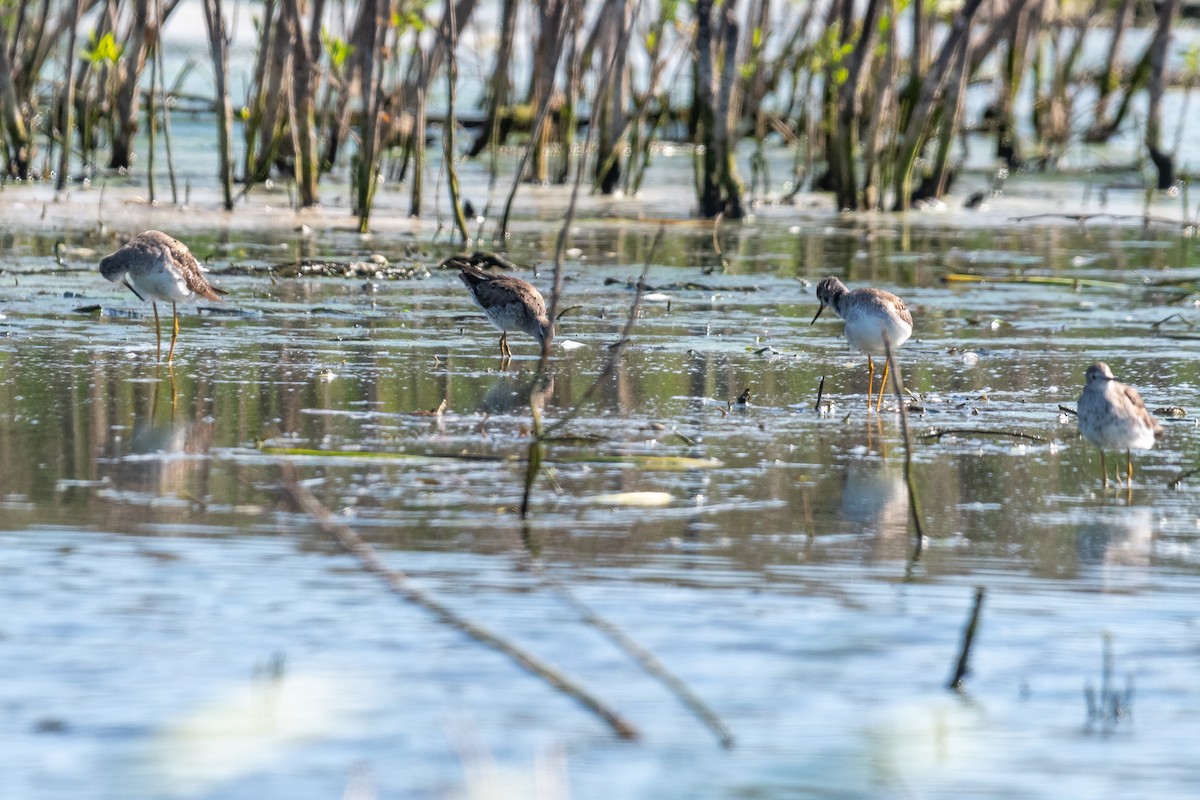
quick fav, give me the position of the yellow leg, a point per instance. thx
(174, 334)
(157, 333)
(882, 385)
(1104, 468)
(1128, 468)
(504, 349)
(870, 380)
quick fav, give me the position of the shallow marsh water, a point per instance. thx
(172, 628)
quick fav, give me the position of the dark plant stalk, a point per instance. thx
(537, 446)
(151, 128)
(500, 82)
(19, 142)
(914, 507)
(256, 104)
(535, 136)
(301, 94)
(718, 189)
(128, 95)
(961, 668)
(370, 37)
(951, 117)
(916, 130)
(450, 40)
(1164, 161)
(68, 113)
(416, 140)
(218, 42)
(163, 104)
(552, 23)
(1110, 79)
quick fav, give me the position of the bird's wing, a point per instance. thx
(193, 271)
(1139, 407)
(500, 290)
(901, 309)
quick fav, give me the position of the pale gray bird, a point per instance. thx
(1112, 416)
(875, 320)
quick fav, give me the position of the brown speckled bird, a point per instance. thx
(156, 266)
(509, 303)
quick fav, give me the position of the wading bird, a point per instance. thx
(509, 303)
(875, 321)
(156, 267)
(1112, 416)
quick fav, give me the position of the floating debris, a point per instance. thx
(632, 499)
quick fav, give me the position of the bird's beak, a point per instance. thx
(129, 286)
(819, 310)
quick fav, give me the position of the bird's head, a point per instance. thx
(1099, 372)
(827, 290)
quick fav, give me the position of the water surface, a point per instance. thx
(173, 628)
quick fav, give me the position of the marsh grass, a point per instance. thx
(870, 95)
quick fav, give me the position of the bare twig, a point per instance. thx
(913, 505)
(400, 583)
(940, 432)
(641, 655)
(961, 668)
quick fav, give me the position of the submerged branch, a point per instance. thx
(913, 505)
(643, 657)
(402, 585)
(940, 432)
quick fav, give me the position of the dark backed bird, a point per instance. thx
(509, 303)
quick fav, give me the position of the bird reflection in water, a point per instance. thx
(166, 453)
(875, 499)
(514, 393)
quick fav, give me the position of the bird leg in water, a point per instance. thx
(870, 380)
(174, 333)
(882, 384)
(157, 333)
(1104, 468)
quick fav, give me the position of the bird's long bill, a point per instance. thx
(819, 310)
(129, 286)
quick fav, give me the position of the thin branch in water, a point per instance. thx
(402, 585)
(962, 668)
(643, 657)
(1191, 325)
(940, 432)
(913, 505)
(716, 243)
